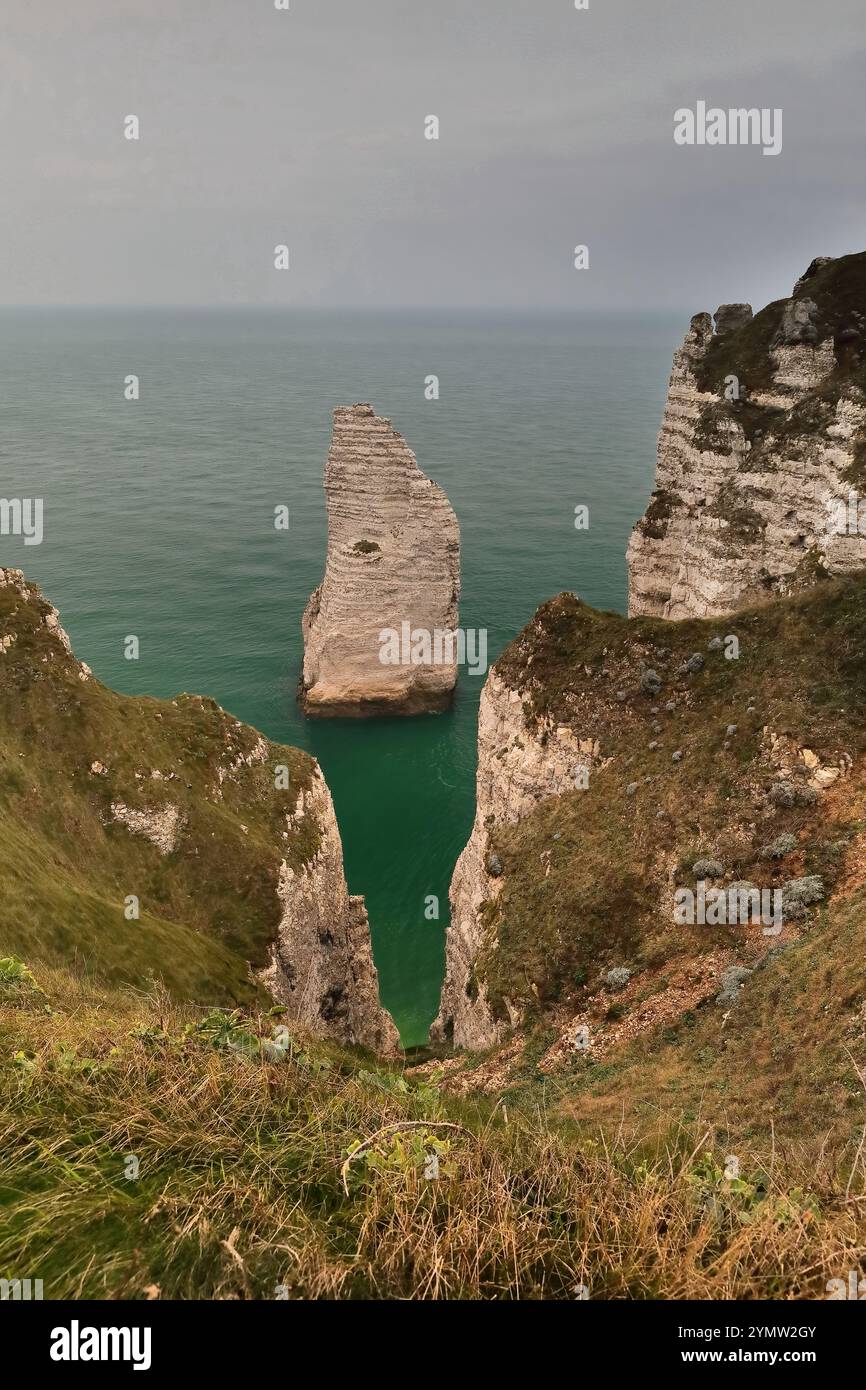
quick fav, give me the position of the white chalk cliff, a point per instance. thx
(759, 452)
(322, 962)
(521, 762)
(393, 566)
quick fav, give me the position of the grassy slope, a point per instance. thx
(239, 1187)
(208, 907)
(791, 1053)
(788, 1048)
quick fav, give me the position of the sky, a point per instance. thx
(305, 127)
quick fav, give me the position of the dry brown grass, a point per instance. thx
(240, 1185)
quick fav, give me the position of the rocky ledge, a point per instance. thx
(377, 629)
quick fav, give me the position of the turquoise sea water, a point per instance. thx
(159, 522)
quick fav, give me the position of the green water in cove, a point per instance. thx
(158, 521)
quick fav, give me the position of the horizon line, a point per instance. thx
(241, 307)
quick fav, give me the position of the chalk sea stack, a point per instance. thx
(761, 453)
(393, 567)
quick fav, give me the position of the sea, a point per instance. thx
(159, 521)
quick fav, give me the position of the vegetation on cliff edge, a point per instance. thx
(710, 763)
(156, 1152)
(71, 750)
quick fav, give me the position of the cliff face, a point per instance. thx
(391, 583)
(520, 763)
(761, 453)
(165, 839)
(322, 962)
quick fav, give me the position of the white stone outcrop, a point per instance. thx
(160, 825)
(751, 499)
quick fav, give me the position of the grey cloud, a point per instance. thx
(260, 127)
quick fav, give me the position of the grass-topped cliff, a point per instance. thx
(837, 289)
(104, 797)
(753, 765)
(761, 452)
(833, 293)
(156, 1146)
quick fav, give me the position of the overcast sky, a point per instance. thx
(261, 127)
